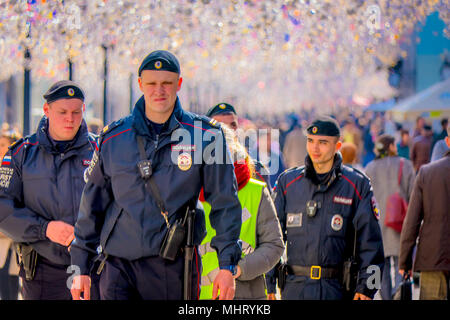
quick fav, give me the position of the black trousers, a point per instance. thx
(9, 284)
(149, 278)
(50, 282)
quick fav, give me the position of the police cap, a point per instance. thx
(220, 108)
(160, 60)
(64, 89)
(324, 126)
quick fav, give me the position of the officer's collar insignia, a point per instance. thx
(105, 129)
(337, 222)
(184, 161)
(158, 64)
(70, 92)
(222, 106)
(213, 122)
(314, 130)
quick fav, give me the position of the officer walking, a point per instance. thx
(40, 189)
(323, 207)
(140, 184)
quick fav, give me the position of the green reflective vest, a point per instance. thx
(249, 197)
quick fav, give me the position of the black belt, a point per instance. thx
(313, 272)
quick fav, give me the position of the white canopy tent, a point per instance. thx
(432, 102)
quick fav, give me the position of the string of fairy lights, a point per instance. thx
(282, 53)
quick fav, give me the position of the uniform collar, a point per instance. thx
(140, 123)
(42, 134)
(335, 171)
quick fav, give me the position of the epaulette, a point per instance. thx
(16, 143)
(110, 127)
(361, 173)
(212, 122)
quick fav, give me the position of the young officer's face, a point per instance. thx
(64, 118)
(321, 149)
(160, 91)
(230, 119)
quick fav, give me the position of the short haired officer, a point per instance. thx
(129, 222)
(40, 190)
(225, 113)
(320, 207)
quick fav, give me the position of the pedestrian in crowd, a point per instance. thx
(418, 130)
(294, 150)
(141, 182)
(403, 144)
(439, 146)
(441, 135)
(40, 191)
(351, 133)
(323, 208)
(268, 153)
(421, 148)
(439, 150)
(383, 173)
(348, 151)
(225, 113)
(262, 242)
(9, 270)
(427, 220)
(370, 134)
(95, 125)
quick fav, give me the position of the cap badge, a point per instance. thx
(158, 64)
(222, 106)
(70, 92)
(314, 130)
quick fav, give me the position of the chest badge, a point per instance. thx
(184, 161)
(337, 222)
(311, 208)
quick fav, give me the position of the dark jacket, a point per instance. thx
(117, 211)
(313, 241)
(428, 218)
(39, 185)
(420, 151)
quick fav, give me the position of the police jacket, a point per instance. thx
(118, 213)
(344, 204)
(39, 184)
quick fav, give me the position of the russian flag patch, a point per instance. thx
(6, 161)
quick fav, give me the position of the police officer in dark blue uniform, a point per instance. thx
(225, 113)
(323, 207)
(41, 183)
(128, 221)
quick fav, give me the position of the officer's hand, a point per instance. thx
(360, 296)
(271, 296)
(238, 272)
(60, 232)
(225, 283)
(81, 284)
